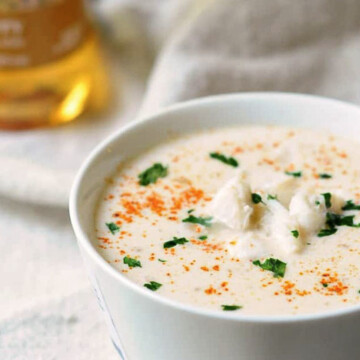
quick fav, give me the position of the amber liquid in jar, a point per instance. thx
(51, 68)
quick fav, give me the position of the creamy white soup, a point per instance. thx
(252, 219)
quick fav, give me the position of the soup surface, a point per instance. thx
(252, 219)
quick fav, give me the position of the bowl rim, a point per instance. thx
(86, 244)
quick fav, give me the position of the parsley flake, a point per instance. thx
(204, 221)
(203, 237)
(325, 285)
(226, 160)
(113, 227)
(294, 173)
(231, 307)
(333, 220)
(161, 260)
(150, 175)
(175, 241)
(131, 262)
(324, 176)
(327, 199)
(276, 266)
(190, 211)
(153, 285)
(295, 233)
(256, 198)
(326, 232)
(350, 206)
(272, 197)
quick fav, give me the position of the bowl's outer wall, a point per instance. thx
(144, 328)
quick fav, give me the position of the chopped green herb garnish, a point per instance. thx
(327, 198)
(231, 307)
(203, 237)
(350, 206)
(131, 262)
(113, 227)
(198, 220)
(326, 232)
(153, 285)
(161, 260)
(317, 202)
(333, 220)
(325, 176)
(325, 285)
(294, 173)
(359, 291)
(276, 266)
(272, 197)
(175, 241)
(190, 211)
(295, 233)
(226, 160)
(256, 198)
(150, 175)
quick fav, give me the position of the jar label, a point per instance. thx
(40, 33)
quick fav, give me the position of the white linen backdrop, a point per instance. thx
(47, 310)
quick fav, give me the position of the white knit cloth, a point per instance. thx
(47, 309)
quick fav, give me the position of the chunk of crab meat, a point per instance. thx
(281, 225)
(309, 211)
(284, 188)
(232, 205)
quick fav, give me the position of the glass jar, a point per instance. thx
(51, 68)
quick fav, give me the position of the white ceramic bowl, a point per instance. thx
(146, 326)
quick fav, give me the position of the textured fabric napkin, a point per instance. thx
(309, 46)
(47, 309)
